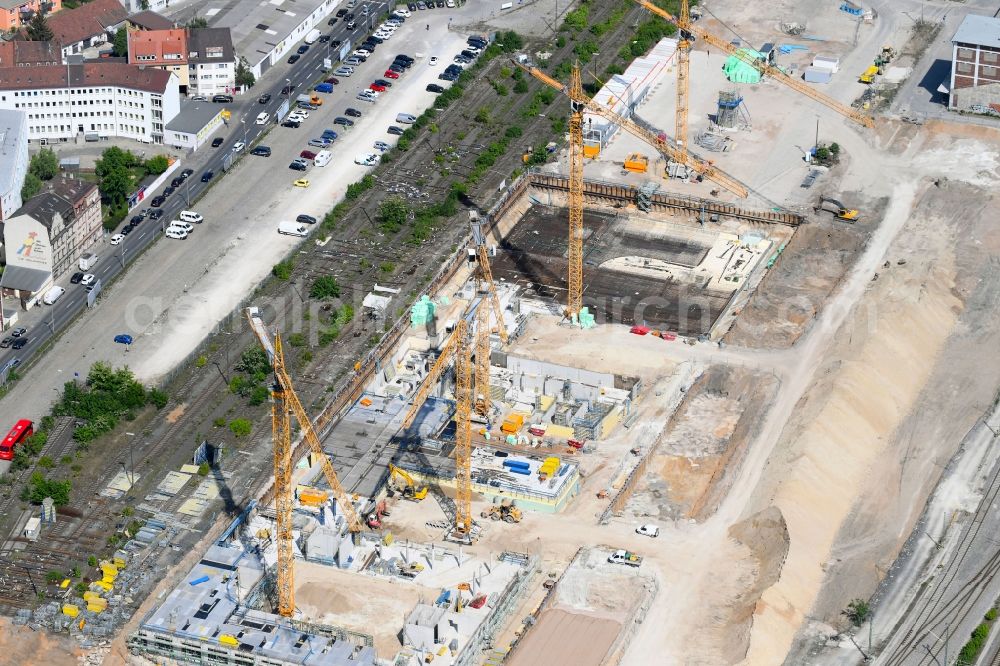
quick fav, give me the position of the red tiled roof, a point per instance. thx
(158, 44)
(73, 25)
(21, 54)
(88, 74)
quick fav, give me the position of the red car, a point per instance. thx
(377, 88)
(389, 74)
(308, 154)
(332, 80)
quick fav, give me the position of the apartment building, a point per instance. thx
(88, 25)
(91, 101)
(17, 13)
(13, 160)
(163, 49)
(211, 62)
(975, 64)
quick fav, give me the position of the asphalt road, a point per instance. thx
(43, 322)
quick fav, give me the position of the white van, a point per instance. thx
(323, 158)
(406, 118)
(183, 226)
(262, 118)
(52, 295)
(191, 216)
(292, 229)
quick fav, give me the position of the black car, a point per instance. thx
(333, 21)
(76, 278)
(126, 230)
(170, 190)
(439, 4)
(335, 43)
(264, 99)
(465, 60)
(205, 177)
(302, 49)
(294, 58)
(187, 173)
(401, 63)
(20, 343)
(307, 219)
(294, 124)
(217, 141)
(261, 151)
(176, 182)
(349, 17)
(135, 220)
(434, 88)
(287, 90)
(453, 68)
(340, 120)
(403, 56)
(353, 113)
(447, 76)
(412, 6)
(393, 129)
(478, 42)
(341, 13)
(383, 82)
(297, 166)
(323, 39)
(222, 99)
(158, 201)
(156, 213)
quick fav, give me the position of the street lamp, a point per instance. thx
(288, 87)
(243, 121)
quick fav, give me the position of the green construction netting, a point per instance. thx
(737, 71)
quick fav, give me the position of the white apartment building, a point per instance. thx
(91, 101)
(211, 62)
(13, 160)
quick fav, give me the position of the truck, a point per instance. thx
(312, 99)
(292, 228)
(312, 36)
(625, 557)
(87, 260)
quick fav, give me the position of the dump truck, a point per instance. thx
(839, 210)
(868, 76)
(625, 557)
(406, 485)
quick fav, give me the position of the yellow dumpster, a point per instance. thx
(226, 639)
(71, 610)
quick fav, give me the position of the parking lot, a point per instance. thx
(178, 291)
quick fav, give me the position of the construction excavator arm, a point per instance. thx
(661, 141)
(761, 66)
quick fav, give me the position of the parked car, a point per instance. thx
(222, 99)
(205, 177)
(176, 182)
(88, 279)
(217, 141)
(383, 82)
(354, 113)
(238, 147)
(319, 142)
(20, 343)
(198, 98)
(157, 213)
(6, 342)
(294, 58)
(187, 173)
(391, 74)
(302, 49)
(329, 135)
(333, 21)
(158, 201)
(433, 61)
(123, 339)
(367, 159)
(332, 80)
(264, 99)
(377, 87)
(298, 166)
(341, 13)
(175, 233)
(434, 88)
(307, 155)
(76, 278)
(308, 219)
(393, 129)
(261, 151)
(287, 90)
(117, 238)
(301, 182)
(381, 146)
(323, 39)
(345, 122)
(291, 123)
(648, 530)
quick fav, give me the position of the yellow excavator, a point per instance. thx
(838, 209)
(402, 482)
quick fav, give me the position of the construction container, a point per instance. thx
(71, 610)
(827, 62)
(313, 496)
(513, 422)
(636, 163)
(591, 151)
(226, 639)
(817, 75)
(32, 529)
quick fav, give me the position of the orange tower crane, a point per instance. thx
(688, 30)
(484, 277)
(574, 291)
(683, 69)
(285, 404)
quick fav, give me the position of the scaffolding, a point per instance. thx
(731, 112)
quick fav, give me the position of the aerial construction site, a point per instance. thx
(712, 382)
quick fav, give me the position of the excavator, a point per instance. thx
(838, 209)
(505, 511)
(401, 481)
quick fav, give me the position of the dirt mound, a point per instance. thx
(765, 534)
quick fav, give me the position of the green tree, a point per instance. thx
(114, 170)
(240, 427)
(253, 361)
(244, 75)
(44, 164)
(157, 165)
(325, 287)
(392, 214)
(38, 28)
(197, 22)
(120, 43)
(32, 186)
(857, 612)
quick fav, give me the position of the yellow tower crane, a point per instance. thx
(683, 69)
(688, 30)
(286, 403)
(484, 278)
(661, 141)
(574, 291)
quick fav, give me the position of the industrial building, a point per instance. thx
(975, 64)
(13, 160)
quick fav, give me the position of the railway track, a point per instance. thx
(940, 605)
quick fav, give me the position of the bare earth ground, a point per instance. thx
(21, 645)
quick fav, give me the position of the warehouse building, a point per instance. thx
(975, 65)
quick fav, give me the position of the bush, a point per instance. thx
(259, 395)
(80, 588)
(92, 561)
(54, 577)
(387, 267)
(560, 42)
(158, 398)
(107, 396)
(283, 270)
(157, 165)
(970, 651)
(39, 488)
(355, 190)
(201, 362)
(219, 422)
(324, 288)
(521, 87)
(203, 469)
(483, 115)
(32, 186)
(991, 614)
(576, 20)
(240, 427)
(857, 612)
(392, 214)
(237, 384)
(45, 462)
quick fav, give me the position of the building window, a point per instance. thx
(963, 68)
(990, 72)
(966, 54)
